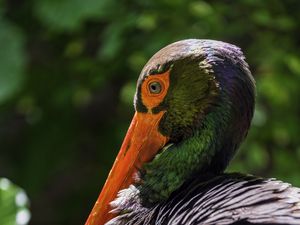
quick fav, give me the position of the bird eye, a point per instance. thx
(155, 87)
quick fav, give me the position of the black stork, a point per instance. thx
(194, 103)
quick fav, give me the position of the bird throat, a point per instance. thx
(177, 163)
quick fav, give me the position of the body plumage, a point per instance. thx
(224, 199)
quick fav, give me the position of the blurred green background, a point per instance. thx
(67, 76)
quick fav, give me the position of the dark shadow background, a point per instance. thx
(67, 76)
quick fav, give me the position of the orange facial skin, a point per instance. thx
(142, 142)
(149, 99)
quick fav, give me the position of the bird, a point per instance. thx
(194, 103)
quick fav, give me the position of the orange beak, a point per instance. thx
(141, 144)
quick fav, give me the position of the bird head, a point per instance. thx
(194, 103)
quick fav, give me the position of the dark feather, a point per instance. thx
(224, 199)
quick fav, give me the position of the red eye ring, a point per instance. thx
(154, 89)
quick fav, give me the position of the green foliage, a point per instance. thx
(12, 60)
(70, 14)
(67, 74)
(13, 204)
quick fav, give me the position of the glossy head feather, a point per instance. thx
(208, 110)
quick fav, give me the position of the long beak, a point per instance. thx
(141, 144)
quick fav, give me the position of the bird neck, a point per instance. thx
(177, 163)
